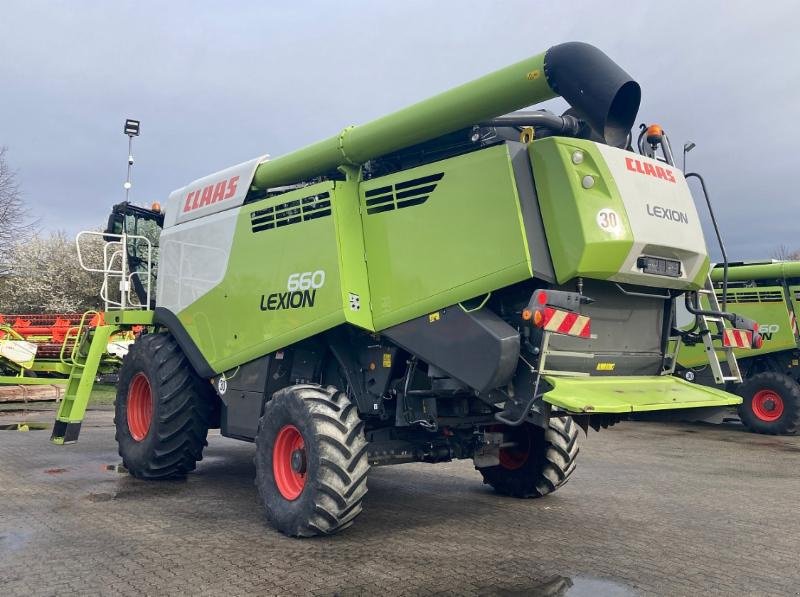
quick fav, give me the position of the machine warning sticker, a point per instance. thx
(355, 301)
(609, 221)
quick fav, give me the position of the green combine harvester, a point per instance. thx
(767, 292)
(454, 280)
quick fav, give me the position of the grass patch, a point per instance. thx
(103, 394)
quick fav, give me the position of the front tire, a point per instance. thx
(541, 461)
(770, 404)
(162, 410)
(311, 461)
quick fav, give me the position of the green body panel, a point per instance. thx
(767, 306)
(352, 255)
(465, 240)
(128, 317)
(517, 86)
(617, 395)
(231, 325)
(578, 246)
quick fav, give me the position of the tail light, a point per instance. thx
(758, 341)
(552, 311)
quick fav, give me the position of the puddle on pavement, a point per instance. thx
(562, 586)
(14, 540)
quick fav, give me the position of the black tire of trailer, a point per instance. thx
(770, 404)
(545, 461)
(311, 461)
(162, 410)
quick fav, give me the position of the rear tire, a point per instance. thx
(542, 461)
(311, 461)
(162, 410)
(770, 404)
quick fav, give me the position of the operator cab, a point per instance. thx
(139, 223)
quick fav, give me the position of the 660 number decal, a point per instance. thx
(306, 281)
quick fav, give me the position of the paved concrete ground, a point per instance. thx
(652, 509)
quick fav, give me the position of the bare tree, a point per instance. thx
(783, 253)
(15, 223)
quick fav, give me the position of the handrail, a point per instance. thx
(116, 248)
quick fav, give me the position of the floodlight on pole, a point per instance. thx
(687, 147)
(132, 127)
(132, 130)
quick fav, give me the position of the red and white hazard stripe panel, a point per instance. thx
(793, 322)
(567, 322)
(737, 338)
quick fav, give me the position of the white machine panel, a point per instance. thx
(661, 213)
(216, 192)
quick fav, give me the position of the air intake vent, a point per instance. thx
(291, 212)
(403, 194)
(754, 296)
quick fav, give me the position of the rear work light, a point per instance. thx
(544, 312)
(659, 267)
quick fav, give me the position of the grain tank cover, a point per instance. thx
(216, 192)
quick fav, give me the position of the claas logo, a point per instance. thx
(649, 169)
(208, 195)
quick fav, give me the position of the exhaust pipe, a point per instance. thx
(600, 91)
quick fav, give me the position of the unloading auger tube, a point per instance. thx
(600, 91)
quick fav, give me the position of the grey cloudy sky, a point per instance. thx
(215, 83)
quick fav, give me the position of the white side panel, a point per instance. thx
(194, 258)
(662, 216)
(216, 192)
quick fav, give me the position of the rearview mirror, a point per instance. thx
(115, 225)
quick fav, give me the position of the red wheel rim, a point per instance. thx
(289, 462)
(515, 457)
(140, 406)
(767, 405)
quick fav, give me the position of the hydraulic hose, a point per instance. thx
(561, 125)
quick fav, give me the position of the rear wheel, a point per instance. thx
(539, 462)
(770, 404)
(162, 410)
(311, 461)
